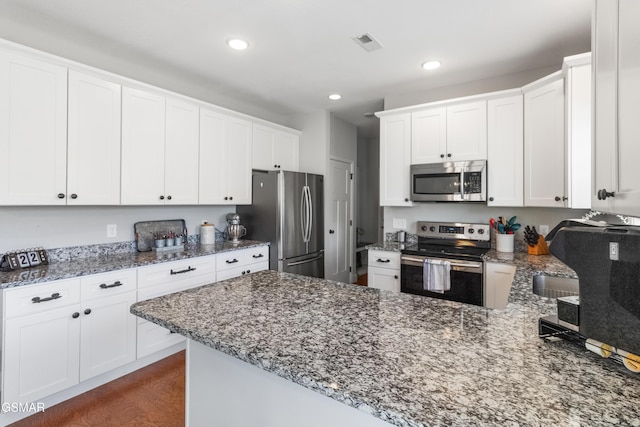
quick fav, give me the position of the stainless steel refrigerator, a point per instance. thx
(288, 211)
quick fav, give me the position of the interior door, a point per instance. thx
(338, 245)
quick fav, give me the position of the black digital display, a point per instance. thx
(450, 230)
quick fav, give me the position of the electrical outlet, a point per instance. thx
(614, 251)
(400, 223)
(543, 229)
(112, 230)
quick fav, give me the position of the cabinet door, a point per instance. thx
(93, 176)
(498, 280)
(467, 132)
(383, 278)
(238, 161)
(213, 152)
(544, 155)
(605, 60)
(505, 151)
(181, 153)
(41, 354)
(263, 148)
(395, 159)
(143, 136)
(286, 151)
(33, 132)
(108, 334)
(627, 196)
(429, 136)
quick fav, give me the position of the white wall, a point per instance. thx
(475, 213)
(508, 81)
(63, 226)
(314, 141)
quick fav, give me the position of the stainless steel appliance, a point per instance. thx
(449, 182)
(288, 211)
(235, 231)
(607, 262)
(462, 246)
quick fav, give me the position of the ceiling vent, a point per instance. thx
(367, 42)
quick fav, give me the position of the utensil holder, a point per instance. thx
(504, 242)
(540, 248)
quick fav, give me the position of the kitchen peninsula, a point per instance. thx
(399, 359)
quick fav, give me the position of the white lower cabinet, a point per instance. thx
(241, 262)
(55, 337)
(384, 270)
(498, 279)
(161, 279)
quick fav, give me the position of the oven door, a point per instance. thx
(466, 280)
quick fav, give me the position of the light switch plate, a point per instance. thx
(400, 223)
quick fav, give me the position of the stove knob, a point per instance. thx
(481, 231)
(423, 228)
(432, 229)
(471, 231)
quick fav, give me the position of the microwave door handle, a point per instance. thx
(462, 173)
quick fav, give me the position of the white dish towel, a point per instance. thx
(436, 275)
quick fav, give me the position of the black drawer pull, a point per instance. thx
(186, 270)
(75, 315)
(233, 261)
(36, 300)
(383, 260)
(87, 311)
(115, 284)
(258, 256)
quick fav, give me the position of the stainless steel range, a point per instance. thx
(447, 262)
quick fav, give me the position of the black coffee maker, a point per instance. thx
(607, 262)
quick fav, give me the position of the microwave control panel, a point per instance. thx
(473, 182)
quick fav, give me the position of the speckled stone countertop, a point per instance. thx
(407, 359)
(101, 264)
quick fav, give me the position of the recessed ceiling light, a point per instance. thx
(431, 65)
(335, 96)
(238, 44)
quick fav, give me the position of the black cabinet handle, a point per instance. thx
(231, 261)
(248, 271)
(53, 296)
(75, 315)
(74, 196)
(226, 198)
(230, 197)
(383, 260)
(491, 199)
(115, 284)
(603, 194)
(442, 156)
(395, 276)
(87, 311)
(557, 198)
(186, 270)
(161, 197)
(331, 231)
(60, 195)
(168, 197)
(406, 199)
(449, 155)
(258, 256)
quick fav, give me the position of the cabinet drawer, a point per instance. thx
(240, 258)
(152, 338)
(22, 300)
(241, 270)
(384, 259)
(182, 274)
(106, 284)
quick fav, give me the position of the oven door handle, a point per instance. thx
(453, 264)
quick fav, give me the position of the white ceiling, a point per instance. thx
(302, 50)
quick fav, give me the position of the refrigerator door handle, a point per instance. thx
(310, 217)
(306, 261)
(303, 213)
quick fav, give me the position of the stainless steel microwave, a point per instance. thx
(449, 182)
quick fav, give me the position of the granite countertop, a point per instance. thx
(407, 359)
(85, 266)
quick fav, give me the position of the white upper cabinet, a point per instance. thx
(577, 74)
(617, 90)
(225, 159)
(544, 146)
(395, 160)
(143, 133)
(505, 151)
(274, 149)
(181, 153)
(447, 134)
(159, 149)
(93, 148)
(33, 131)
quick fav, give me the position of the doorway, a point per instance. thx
(339, 231)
